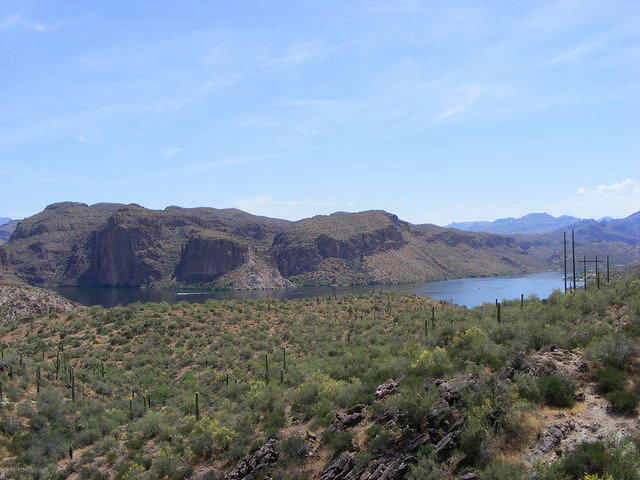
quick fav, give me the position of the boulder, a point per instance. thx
(247, 468)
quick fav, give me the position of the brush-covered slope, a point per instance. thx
(376, 247)
(371, 387)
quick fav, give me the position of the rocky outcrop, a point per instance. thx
(349, 418)
(386, 389)
(248, 468)
(209, 257)
(551, 439)
(384, 467)
(22, 301)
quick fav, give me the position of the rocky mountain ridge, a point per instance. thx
(129, 245)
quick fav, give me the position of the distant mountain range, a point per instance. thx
(607, 229)
(531, 224)
(7, 226)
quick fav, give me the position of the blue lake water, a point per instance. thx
(469, 292)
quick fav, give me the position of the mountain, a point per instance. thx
(625, 230)
(532, 224)
(7, 226)
(129, 245)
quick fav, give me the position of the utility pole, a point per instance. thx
(573, 254)
(596, 261)
(564, 241)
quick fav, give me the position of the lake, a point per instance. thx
(469, 292)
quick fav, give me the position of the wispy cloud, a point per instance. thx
(170, 152)
(577, 52)
(468, 96)
(18, 20)
(298, 53)
(628, 185)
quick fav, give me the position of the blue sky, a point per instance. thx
(437, 111)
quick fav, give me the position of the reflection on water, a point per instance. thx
(463, 291)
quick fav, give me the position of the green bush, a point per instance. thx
(586, 459)
(502, 470)
(610, 379)
(293, 447)
(557, 391)
(337, 441)
(624, 402)
(613, 350)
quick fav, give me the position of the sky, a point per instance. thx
(437, 111)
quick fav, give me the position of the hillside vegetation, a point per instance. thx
(377, 386)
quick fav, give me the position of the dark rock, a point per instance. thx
(387, 388)
(348, 418)
(551, 439)
(386, 467)
(247, 468)
(390, 467)
(446, 445)
(340, 468)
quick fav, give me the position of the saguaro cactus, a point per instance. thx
(266, 368)
(197, 406)
(284, 358)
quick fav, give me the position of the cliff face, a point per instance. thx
(122, 253)
(205, 258)
(227, 262)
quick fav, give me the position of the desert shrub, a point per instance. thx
(477, 442)
(610, 379)
(433, 363)
(209, 436)
(337, 441)
(502, 470)
(475, 345)
(613, 350)
(293, 447)
(624, 402)
(528, 387)
(557, 391)
(412, 404)
(592, 458)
